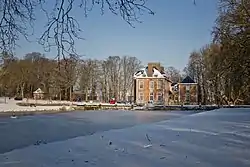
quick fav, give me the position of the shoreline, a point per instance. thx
(32, 112)
(20, 111)
(14, 108)
(9, 113)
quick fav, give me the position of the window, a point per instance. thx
(151, 85)
(141, 84)
(159, 97)
(141, 97)
(160, 84)
(151, 96)
(187, 93)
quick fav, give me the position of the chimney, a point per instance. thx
(150, 68)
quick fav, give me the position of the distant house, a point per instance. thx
(38, 94)
(151, 85)
(188, 91)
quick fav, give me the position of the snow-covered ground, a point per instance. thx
(215, 138)
(46, 101)
(11, 105)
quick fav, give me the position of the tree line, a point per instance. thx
(112, 77)
(222, 68)
(88, 78)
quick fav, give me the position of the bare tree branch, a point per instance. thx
(16, 19)
(62, 28)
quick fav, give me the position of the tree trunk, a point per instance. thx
(105, 90)
(86, 94)
(65, 94)
(70, 93)
(22, 90)
(17, 90)
(31, 90)
(60, 94)
(204, 94)
(216, 91)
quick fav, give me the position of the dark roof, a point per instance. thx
(168, 80)
(174, 83)
(188, 79)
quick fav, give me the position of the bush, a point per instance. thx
(18, 98)
(63, 108)
(38, 104)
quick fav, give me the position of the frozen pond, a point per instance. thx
(27, 130)
(218, 138)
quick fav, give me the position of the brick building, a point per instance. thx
(151, 85)
(188, 91)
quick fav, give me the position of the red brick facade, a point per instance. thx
(188, 93)
(151, 89)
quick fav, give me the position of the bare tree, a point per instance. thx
(129, 66)
(194, 70)
(68, 73)
(231, 31)
(173, 74)
(116, 76)
(104, 80)
(17, 17)
(89, 78)
(62, 28)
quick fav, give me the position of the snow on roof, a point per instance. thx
(38, 91)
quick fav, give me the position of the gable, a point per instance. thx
(188, 79)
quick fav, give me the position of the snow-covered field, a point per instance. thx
(11, 105)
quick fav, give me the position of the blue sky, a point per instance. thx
(177, 28)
